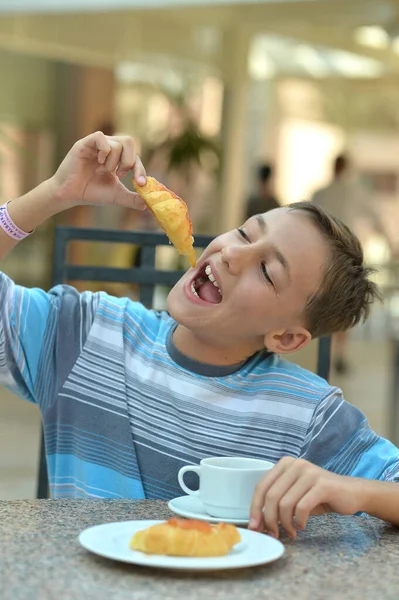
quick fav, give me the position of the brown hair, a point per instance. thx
(346, 292)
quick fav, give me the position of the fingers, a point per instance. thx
(129, 199)
(311, 503)
(272, 503)
(102, 145)
(288, 494)
(258, 500)
(92, 146)
(113, 160)
(290, 506)
(122, 158)
(114, 154)
(139, 172)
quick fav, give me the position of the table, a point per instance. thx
(40, 559)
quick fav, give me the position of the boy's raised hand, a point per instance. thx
(294, 489)
(90, 173)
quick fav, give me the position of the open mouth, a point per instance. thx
(206, 287)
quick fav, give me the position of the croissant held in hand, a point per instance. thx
(171, 213)
(180, 537)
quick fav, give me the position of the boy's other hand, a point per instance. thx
(91, 171)
(294, 489)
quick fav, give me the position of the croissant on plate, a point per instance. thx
(171, 213)
(181, 537)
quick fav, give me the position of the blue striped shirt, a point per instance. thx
(123, 410)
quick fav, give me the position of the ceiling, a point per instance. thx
(295, 37)
(56, 6)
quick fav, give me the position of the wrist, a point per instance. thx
(34, 208)
(53, 195)
(367, 495)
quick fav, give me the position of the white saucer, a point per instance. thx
(192, 508)
(112, 541)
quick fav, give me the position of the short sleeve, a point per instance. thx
(340, 440)
(41, 336)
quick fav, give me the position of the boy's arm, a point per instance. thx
(344, 467)
(296, 489)
(41, 337)
(381, 500)
(89, 174)
(28, 212)
(39, 329)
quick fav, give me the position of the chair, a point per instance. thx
(145, 275)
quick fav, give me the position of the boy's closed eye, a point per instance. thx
(263, 266)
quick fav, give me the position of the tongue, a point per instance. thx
(209, 293)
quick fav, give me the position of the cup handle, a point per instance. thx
(180, 477)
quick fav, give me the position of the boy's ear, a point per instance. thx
(287, 341)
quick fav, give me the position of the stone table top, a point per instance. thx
(41, 559)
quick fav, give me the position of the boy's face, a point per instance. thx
(266, 274)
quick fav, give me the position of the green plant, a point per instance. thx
(189, 147)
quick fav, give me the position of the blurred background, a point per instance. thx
(238, 107)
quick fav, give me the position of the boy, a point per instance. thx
(129, 395)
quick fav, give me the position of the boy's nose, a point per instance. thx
(237, 257)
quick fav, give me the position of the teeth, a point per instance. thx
(194, 290)
(208, 271)
(211, 278)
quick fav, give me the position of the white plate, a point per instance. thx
(192, 508)
(112, 541)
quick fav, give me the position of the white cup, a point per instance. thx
(227, 484)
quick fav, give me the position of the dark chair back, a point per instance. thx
(145, 274)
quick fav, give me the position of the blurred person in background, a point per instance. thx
(345, 199)
(264, 199)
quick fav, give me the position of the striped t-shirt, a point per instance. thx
(123, 409)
